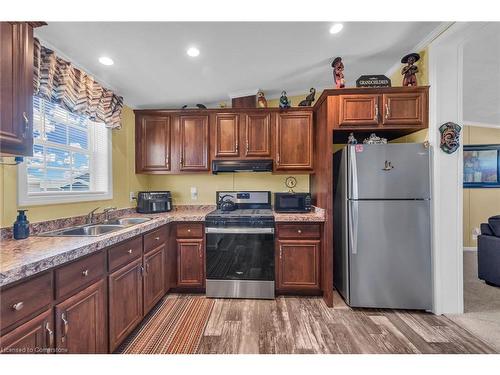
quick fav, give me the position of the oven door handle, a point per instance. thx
(240, 230)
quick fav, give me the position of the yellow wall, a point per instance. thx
(124, 181)
(479, 204)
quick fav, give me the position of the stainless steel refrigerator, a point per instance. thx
(382, 225)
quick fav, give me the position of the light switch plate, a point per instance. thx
(132, 196)
(194, 193)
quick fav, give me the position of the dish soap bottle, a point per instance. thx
(21, 226)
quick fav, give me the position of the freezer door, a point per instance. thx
(390, 254)
(390, 171)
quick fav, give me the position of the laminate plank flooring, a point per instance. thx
(294, 325)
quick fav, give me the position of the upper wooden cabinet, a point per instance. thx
(294, 141)
(153, 143)
(257, 135)
(357, 110)
(404, 109)
(227, 134)
(193, 143)
(16, 88)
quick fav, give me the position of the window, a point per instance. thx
(71, 158)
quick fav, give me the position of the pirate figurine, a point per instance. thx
(338, 73)
(409, 71)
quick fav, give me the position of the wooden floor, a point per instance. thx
(306, 325)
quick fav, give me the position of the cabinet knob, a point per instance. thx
(18, 306)
(299, 230)
(157, 238)
(129, 251)
(189, 230)
(85, 273)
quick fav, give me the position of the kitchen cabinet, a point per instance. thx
(154, 277)
(193, 142)
(153, 144)
(257, 135)
(33, 337)
(16, 88)
(190, 263)
(298, 249)
(227, 135)
(294, 141)
(356, 110)
(81, 321)
(125, 301)
(404, 109)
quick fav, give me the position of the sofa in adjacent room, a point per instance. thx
(488, 251)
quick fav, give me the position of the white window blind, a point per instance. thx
(71, 158)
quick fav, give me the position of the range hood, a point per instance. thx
(222, 166)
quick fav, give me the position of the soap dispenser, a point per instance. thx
(21, 226)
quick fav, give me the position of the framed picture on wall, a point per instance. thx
(481, 166)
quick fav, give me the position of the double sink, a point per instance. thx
(94, 230)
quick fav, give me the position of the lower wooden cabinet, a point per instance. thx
(298, 265)
(33, 337)
(190, 263)
(81, 321)
(125, 301)
(154, 277)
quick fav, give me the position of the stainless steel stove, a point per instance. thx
(240, 246)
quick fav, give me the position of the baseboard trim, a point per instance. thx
(470, 248)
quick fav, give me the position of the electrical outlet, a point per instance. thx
(475, 232)
(194, 193)
(132, 196)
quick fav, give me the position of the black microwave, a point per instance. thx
(292, 202)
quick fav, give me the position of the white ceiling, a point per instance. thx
(152, 69)
(481, 72)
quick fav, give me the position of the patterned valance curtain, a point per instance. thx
(59, 81)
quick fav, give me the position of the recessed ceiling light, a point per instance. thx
(336, 28)
(193, 51)
(106, 60)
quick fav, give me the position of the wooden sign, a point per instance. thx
(373, 81)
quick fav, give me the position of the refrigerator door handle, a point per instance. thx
(353, 173)
(353, 227)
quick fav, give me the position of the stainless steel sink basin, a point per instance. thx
(84, 231)
(129, 220)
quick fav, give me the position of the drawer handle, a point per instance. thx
(65, 328)
(50, 334)
(189, 230)
(129, 251)
(85, 273)
(18, 306)
(299, 230)
(157, 238)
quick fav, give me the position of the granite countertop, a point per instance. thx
(23, 258)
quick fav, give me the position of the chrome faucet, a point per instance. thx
(106, 213)
(90, 216)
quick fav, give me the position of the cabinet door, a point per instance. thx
(404, 109)
(298, 264)
(154, 277)
(193, 143)
(154, 144)
(190, 263)
(359, 110)
(294, 141)
(227, 135)
(16, 89)
(125, 302)
(33, 337)
(258, 135)
(81, 321)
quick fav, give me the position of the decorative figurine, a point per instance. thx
(338, 73)
(409, 71)
(450, 137)
(199, 106)
(351, 140)
(284, 102)
(261, 100)
(309, 98)
(373, 139)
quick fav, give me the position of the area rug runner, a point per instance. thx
(175, 326)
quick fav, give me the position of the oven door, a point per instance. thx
(240, 254)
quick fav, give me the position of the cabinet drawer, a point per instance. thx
(190, 230)
(79, 273)
(154, 239)
(124, 253)
(299, 231)
(24, 299)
